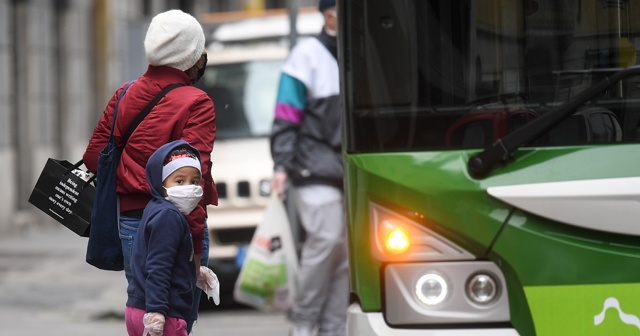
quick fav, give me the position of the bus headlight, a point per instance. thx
(431, 289)
(482, 289)
(445, 292)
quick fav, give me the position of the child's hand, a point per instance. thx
(208, 282)
(153, 324)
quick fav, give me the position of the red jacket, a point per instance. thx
(185, 113)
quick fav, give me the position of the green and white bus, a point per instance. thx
(492, 166)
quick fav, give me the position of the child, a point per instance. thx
(162, 261)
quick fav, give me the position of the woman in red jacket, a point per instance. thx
(174, 48)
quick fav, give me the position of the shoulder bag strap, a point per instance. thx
(115, 109)
(145, 112)
(113, 124)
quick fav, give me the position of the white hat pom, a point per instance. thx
(174, 39)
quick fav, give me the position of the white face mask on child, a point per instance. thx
(185, 197)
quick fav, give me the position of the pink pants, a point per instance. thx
(135, 327)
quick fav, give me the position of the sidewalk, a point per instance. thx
(47, 288)
(46, 285)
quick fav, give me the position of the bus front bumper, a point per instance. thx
(373, 324)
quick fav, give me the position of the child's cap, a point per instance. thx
(178, 158)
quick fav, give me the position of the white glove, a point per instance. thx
(153, 324)
(208, 282)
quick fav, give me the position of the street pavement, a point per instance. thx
(47, 288)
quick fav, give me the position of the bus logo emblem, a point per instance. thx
(613, 303)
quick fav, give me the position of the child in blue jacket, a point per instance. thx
(160, 294)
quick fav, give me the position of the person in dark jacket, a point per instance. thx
(306, 150)
(160, 292)
(174, 48)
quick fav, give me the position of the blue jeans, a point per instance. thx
(128, 230)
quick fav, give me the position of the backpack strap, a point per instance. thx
(146, 111)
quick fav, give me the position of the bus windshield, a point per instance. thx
(432, 75)
(490, 152)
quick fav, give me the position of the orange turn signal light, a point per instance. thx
(397, 241)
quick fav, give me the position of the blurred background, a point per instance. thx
(62, 60)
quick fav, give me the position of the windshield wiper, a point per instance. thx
(481, 164)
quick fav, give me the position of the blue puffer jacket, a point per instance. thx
(162, 260)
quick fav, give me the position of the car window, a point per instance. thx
(260, 95)
(244, 95)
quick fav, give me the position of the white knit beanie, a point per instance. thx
(174, 39)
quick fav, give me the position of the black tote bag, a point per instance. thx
(65, 196)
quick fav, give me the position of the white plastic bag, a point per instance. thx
(267, 280)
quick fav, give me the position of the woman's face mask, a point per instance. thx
(185, 197)
(200, 70)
